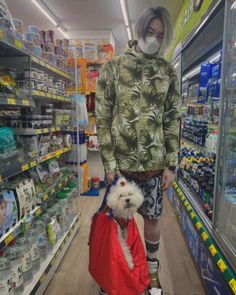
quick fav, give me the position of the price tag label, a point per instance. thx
(204, 236)
(213, 250)
(1, 34)
(11, 101)
(25, 102)
(192, 215)
(25, 167)
(53, 129)
(198, 225)
(33, 164)
(53, 190)
(18, 44)
(232, 284)
(9, 239)
(42, 278)
(221, 265)
(45, 130)
(34, 59)
(45, 197)
(188, 208)
(38, 212)
(38, 131)
(60, 185)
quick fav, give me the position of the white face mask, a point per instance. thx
(150, 46)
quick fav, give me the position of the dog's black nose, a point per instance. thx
(127, 201)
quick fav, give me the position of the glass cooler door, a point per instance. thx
(224, 223)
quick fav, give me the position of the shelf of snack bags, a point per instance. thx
(13, 231)
(15, 166)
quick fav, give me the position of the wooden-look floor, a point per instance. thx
(177, 274)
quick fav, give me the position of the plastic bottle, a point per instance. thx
(25, 248)
(6, 286)
(31, 235)
(14, 255)
(40, 230)
(69, 194)
(73, 186)
(64, 208)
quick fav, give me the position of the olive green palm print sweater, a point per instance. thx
(138, 113)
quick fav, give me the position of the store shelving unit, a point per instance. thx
(50, 265)
(20, 162)
(15, 166)
(206, 218)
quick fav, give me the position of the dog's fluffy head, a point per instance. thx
(124, 198)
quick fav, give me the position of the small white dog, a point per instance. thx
(124, 199)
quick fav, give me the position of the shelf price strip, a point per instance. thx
(220, 261)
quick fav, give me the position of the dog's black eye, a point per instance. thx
(121, 196)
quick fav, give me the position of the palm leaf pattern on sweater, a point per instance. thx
(139, 97)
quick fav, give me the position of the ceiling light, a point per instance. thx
(62, 32)
(129, 33)
(233, 6)
(44, 12)
(214, 58)
(192, 73)
(124, 12)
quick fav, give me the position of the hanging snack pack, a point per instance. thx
(8, 211)
(24, 191)
(8, 146)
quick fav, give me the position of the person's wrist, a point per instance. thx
(172, 169)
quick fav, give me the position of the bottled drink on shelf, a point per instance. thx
(40, 229)
(198, 171)
(14, 255)
(25, 248)
(32, 236)
(6, 285)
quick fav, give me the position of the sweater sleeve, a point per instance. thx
(171, 123)
(105, 99)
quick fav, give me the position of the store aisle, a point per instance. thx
(178, 274)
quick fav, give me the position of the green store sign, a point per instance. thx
(189, 17)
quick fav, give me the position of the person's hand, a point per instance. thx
(167, 179)
(110, 176)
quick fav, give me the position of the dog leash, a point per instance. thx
(105, 198)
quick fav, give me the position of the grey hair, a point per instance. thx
(149, 14)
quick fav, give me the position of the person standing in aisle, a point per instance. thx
(138, 122)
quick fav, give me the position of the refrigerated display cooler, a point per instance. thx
(204, 193)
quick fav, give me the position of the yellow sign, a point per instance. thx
(11, 101)
(188, 19)
(221, 265)
(213, 250)
(232, 284)
(25, 167)
(25, 102)
(9, 239)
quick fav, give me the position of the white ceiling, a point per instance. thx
(88, 15)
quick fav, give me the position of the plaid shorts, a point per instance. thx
(151, 188)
